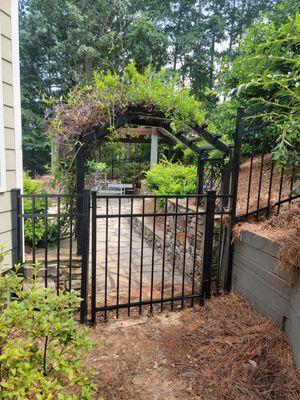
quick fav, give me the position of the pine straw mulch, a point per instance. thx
(262, 177)
(224, 350)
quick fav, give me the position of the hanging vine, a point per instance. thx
(110, 96)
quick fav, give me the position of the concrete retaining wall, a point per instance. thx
(257, 276)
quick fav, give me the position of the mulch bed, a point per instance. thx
(224, 350)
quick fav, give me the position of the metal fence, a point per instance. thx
(263, 186)
(155, 252)
(147, 252)
(48, 222)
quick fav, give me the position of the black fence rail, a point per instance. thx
(152, 252)
(263, 187)
(48, 222)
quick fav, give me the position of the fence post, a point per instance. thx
(234, 190)
(226, 183)
(80, 173)
(85, 236)
(94, 255)
(17, 227)
(208, 243)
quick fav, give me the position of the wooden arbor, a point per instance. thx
(141, 117)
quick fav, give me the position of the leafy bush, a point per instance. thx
(94, 166)
(265, 77)
(171, 178)
(30, 186)
(40, 343)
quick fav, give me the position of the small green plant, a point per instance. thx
(94, 166)
(40, 342)
(35, 233)
(171, 178)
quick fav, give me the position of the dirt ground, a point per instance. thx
(221, 351)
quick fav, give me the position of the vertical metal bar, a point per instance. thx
(153, 255)
(226, 183)
(85, 240)
(94, 257)
(292, 183)
(118, 256)
(46, 242)
(208, 243)
(71, 241)
(106, 258)
(234, 190)
(130, 256)
(164, 255)
(195, 252)
(184, 252)
(250, 177)
(142, 255)
(33, 230)
(261, 174)
(220, 255)
(17, 226)
(80, 173)
(280, 189)
(270, 188)
(58, 247)
(174, 251)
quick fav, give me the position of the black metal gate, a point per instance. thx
(155, 252)
(48, 223)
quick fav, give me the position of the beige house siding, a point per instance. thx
(8, 10)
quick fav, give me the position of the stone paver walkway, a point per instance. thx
(129, 260)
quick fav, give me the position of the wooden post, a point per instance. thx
(200, 173)
(154, 148)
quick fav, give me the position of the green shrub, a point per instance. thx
(171, 178)
(40, 343)
(30, 186)
(94, 166)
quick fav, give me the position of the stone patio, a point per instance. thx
(129, 260)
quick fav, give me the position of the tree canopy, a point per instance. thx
(64, 41)
(265, 77)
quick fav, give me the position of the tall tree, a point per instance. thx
(64, 41)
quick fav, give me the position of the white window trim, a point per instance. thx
(2, 132)
(17, 92)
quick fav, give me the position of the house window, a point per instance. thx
(2, 137)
